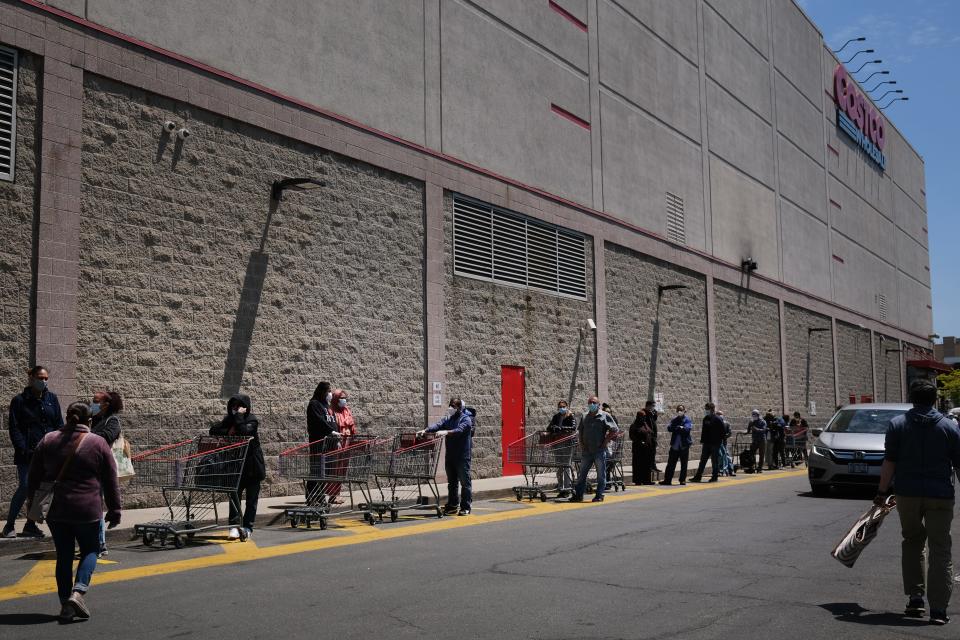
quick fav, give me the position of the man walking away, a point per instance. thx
(595, 430)
(922, 454)
(711, 437)
(776, 428)
(757, 427)
(457, 428)
(680, 440)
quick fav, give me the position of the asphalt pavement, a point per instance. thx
(744, 558)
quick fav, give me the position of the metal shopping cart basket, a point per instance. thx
(539, 454)
(193, 475)
(743, 458)
(326, 467)
(615, 462)
(405, 476)
(795, 445)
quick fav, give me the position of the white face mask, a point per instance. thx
(451, 411)
(342, 402)
(329, 397)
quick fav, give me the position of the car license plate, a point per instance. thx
(858, 467)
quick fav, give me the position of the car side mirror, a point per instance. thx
(816, 431)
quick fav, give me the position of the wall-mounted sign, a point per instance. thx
(858, 118)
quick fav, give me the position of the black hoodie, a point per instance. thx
(243, 424)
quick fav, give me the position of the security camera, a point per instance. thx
(591, 324)
(169, 126)
(184, 133)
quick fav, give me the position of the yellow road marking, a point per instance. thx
(39, 580)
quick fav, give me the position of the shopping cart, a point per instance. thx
(743, 457)
(405, 476)
(325, 467)
(539, 454)
(615, 462)
(193, 476)
(795, 445)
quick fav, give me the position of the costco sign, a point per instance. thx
(858, 118)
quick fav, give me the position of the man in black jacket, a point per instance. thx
(241, 422)
(711, 438)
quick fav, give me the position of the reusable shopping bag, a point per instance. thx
(121, 454)
(863, 531)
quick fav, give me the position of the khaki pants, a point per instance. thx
(927, 521)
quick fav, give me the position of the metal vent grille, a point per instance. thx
(675, 227)
(882, 303)
(8, 112)
(501, 246)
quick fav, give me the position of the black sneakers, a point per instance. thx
(938, 617)
(915, 607)
(597, 499)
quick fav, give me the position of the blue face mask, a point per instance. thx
(94, 409)
(38, 385)
(594, 407)
(562, 410)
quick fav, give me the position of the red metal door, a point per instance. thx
(512, 413)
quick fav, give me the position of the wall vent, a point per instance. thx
(500, 246)
(8, 112)
(882, 304)
(675, 227)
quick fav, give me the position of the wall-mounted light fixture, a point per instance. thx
(293, 184)
(749, 265)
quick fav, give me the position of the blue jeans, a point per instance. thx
(459, 484)
(20, 495)
(65, 535)
(587, 460)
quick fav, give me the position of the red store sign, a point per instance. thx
(857, 116)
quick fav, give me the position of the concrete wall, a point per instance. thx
(720, 103)
(809, 365)
(888, 369)
(854, 363)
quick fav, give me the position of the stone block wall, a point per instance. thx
(656, 344)
(491, 325)
(888, 369)
(747, 328)
(18, 212)
(854, 362)
(194, 287)
(809, 365)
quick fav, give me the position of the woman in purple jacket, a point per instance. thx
(74, 514)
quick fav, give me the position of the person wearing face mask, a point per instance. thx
(241, 422)
(595, 430)
(711, 437)
(346, 425)
(105, 423)
(321, 426)
(757, 427)
(33, 414)
(644, 448)
(562, 422)
(457, 427)
(680, 442)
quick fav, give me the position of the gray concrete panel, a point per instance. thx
(798, 119)
(887, 362)
(910, 216)
(809, 368)
(796, 48)
(856, 170)
(912, 258)
(635, 181)
(806, 250)
(739, 136)
(672, 20)
(363, 58)
(860, 222)
(546, 27)
(905, 166)
(736, 65)
(915, 302)
(647, 72)
(801, 179)
(861, 278)
(748, 17)
(744, 219)
(497, 95)
(854, 362)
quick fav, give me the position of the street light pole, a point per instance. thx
(860, 39)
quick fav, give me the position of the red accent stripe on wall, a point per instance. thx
(577, 22)
(835, 203)
(832, 149)
(563, 113)
(838, 258)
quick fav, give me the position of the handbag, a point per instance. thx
(121, 455)
(43, 497)
(863, 531)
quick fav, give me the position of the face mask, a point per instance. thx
(680, 413)
(451, 411)
(94, 409)
(329, 397)
(38, 385)
(342, 402)
(562, 410)
(594, 407)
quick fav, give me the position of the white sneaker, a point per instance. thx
(234, 534)
(248, 532)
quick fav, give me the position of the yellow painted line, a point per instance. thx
(38, 581)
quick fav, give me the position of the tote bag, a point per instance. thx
(862, 533)
(121, 455)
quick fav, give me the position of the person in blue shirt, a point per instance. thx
(757, 427)
(680, 441)
(457, 428)
(33, 414)
(921, 457)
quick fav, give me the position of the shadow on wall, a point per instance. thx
(247, 311)
(654, 350)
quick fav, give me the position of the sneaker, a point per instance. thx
(597, 499)
(683, 482)
(463, 512)
(32, 531)
(66, 613)
(79, 607)
(8, 532)
(664, 483)
(915, 608)
(938, 617)
(450, 509)
(576, 498)
(696, 479)
(234, 534)
(247, 532)
(712, 480)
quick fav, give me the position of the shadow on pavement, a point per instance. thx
(853, 612)
(21, 619)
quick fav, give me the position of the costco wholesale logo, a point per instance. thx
(858, 118)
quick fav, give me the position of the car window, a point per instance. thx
(863, 420)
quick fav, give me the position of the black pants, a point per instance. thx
(643, 459)
(251, 488)
(710, 452)
(759, 449)
(779, 453)
(683, 455)
(459, 483)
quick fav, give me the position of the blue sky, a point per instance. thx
(919, 42)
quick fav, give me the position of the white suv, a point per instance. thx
(849, 450)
